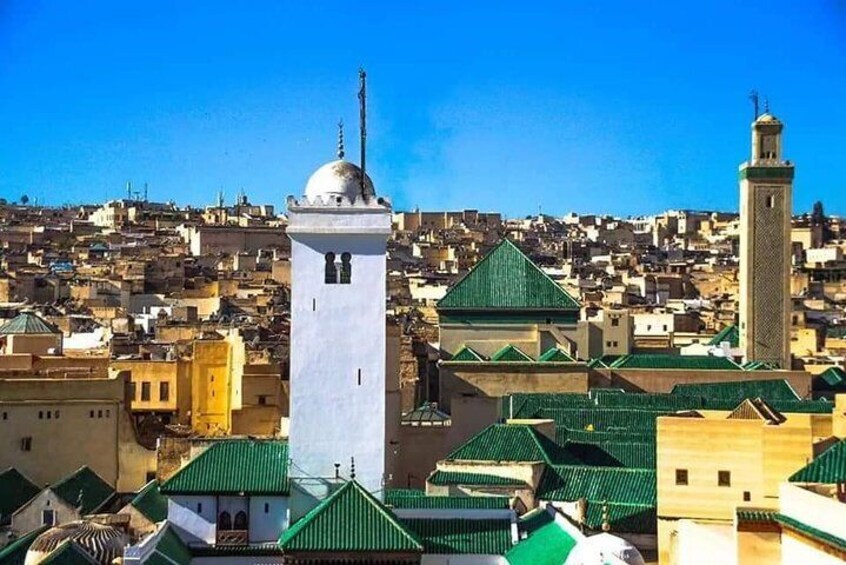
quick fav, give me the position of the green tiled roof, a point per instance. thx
(828, 468)
(427, 413)
(819, 535)
(637, 455)
(510, 353)
(759, 366)
(15, 490)
(755, 515)
(445, 478)
(547, 542)
(150, 502)
(233, 467)
(769, 390)
(401, 499)
(170, 549)
(649, 401)
(837, 332)
(83, 489)
(564, 434)
(505, 279)
(603, 419)
(463, 536)
(69, 553)
(467, 354)
(15, 552)
(832, 379)
(730, 334)
(511, 442)
(686, 362)
(523, 405)
(597, 363)
(555, 355)
(28, 323)
(598, 484)
(628, 518)
(350, 519)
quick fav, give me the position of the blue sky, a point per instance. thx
(612, 107)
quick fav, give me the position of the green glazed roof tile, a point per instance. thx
(15, 491)
(83, 489)
(627, 518)
(598, 484)
(446, 478)
(730, 334)
(15, 552)
(815, 533)
(28, 323)
(467, 354)
(546, 543)
(686, 362)
(636, 455)
(399, 499)
(769, 390)
(150, 502)
(171, 549)
(232, 467)
(510, 353)
(505, 279)
(828, 468)
(832, 379)
(463, 536)
(755, 515)
(511, 442)
(555, 355)
(350, 519)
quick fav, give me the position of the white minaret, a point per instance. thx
(339, 233)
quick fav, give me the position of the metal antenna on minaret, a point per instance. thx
(766, 105)
(145, 192)
(341, 139)
(352, 468)
(362, 103)
(753, 96)
(129, 190)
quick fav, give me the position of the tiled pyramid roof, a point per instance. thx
(510, 353)
(555, 355)
(730, 334)
(756, 409)
(505, 279)
(84, 489)
(232, 467)
(511, 442)
(467, 354)
(771, 390)
(828, 468)
(28, 323)
(462, 536)
(15, 491)
(150, 502)
(663, 361)
(350, 520)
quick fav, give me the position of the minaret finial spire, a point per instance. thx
(362, 108)
(341, 139)
(766, 105)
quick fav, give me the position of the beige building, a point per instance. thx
(709, 463)
(766, 206)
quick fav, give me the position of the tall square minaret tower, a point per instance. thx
(339, 231)
(766, 204)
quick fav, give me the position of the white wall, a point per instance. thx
(706, 544)
(795, 551)
(182, 512)
(337, 331)
(430, 559)
(266, 527)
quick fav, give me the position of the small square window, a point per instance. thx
(5, 415)
(26, 443)
(56, 414)
(91, 414)
(99, 413)
(615, 322)
(145, 391)
(266, 508)
(724, 478)
(747, 496)
(681, 477)
(199, 508)
(40, 414)
(771, 201)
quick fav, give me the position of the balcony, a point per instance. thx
(232, 537)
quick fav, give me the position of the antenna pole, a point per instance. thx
(362, 102)
(753, 96)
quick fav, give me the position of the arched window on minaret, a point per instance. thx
(346, 268)
(241, 520)
(224, 521)
(331, 269)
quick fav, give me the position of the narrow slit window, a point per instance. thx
(359, 377)
(771, 201)
(331, 275)
(346, 268)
